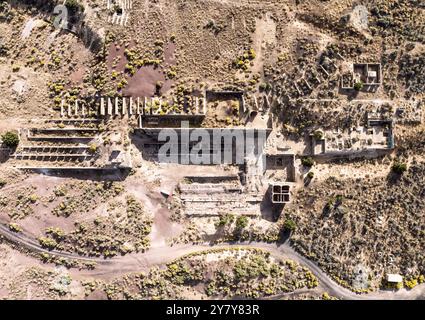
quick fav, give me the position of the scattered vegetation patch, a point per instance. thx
(122, 231)
(339, 220)
(80, 197)
(244, 61)
(221, 273)
(18, 203)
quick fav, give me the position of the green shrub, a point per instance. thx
(47, 243)
(10, 139)
(310, 175)
(241, 222)
(56, 233)
(329, 205)
(33, 198)
(265, 87)
(14, 227)
(318, 135)
(289, 225)
(410, 283)
(326, 296)
(358, 86)
(92, 148)
(399, 167)
(307, 162)
(225, 220)
(74, 6)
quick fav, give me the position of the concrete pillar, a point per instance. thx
(124, 105)
(62, 109)
(152, 101)
(102, 106)
(256, 103)
(69, 110)
(296, 87)
(316, 77)
(279, 100)
(266, 98)
(138, 106)
(130, 107)
(76, 108)
(324, 70)
(197, 105)
(204, 105)
(83, 110)
(109, 107)
(306, 82)
(116, 106)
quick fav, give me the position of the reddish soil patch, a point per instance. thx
(143, 83)
(169, 54)
(77, 76)
(113, 53)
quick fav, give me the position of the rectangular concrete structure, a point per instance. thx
(280, 193)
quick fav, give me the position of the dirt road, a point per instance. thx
(160, 255)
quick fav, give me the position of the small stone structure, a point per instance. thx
(369, 74)
(394, 278)
(374, 137)
(280, 193)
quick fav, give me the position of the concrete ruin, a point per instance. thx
(280, 193)
(226, 143)
(368, 74)
(65, 144)
(374, 138)
(121, 11)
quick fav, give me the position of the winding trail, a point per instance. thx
(157, 256)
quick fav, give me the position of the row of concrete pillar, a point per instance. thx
(138, 106)
(123, 106)
(76, 110)
(121, 19)
(123, 4)
(255, 106)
